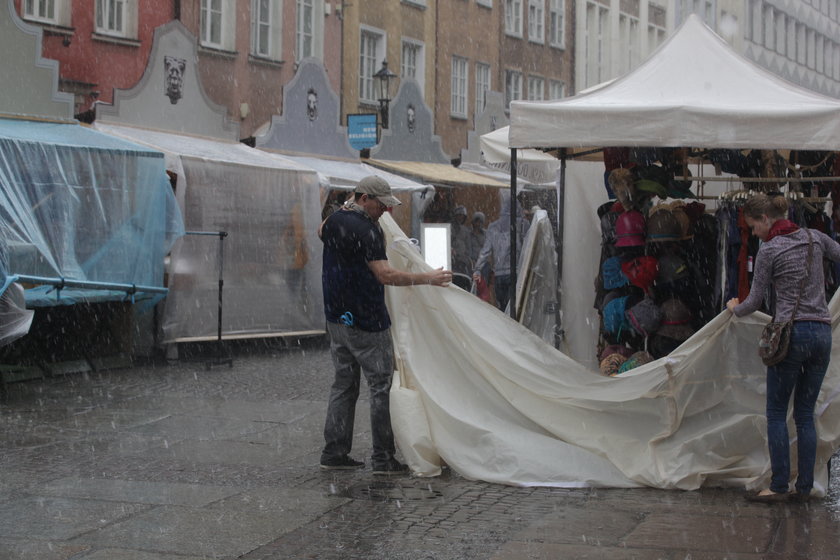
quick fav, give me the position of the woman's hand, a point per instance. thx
(732, 303)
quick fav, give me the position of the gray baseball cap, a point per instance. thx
(378, 187)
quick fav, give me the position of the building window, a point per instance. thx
(458, 102)
(656, 26)
(217, 19)
(536, 88)
(47, 11)
(482, 85)
(266, 28)
(513, 17)
(556, 23)
(513, 86)
(596, 44)
(536, 21)
(116, 17)
(556, 89)
(413, 64)
(628, 29)
(485, 3)
(309, 29)
(371, 54)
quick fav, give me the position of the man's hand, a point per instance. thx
(440, 277)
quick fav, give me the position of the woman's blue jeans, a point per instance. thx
(801, 373)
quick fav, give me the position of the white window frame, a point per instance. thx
(419, 53)
(556, 89)
(596, 44)
(316, 31)
(536, 21)
(267, 27)
(557, 23)
(116, 17)
(513, 86)
(223, 10)
(56, 12)
(536, 88)
(370, 61)
(513, 17)
(460, 74)
(482, 85)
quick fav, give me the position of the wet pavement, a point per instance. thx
(178, 462)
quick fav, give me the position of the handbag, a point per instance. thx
(774, 342)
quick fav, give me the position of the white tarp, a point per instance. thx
(483, 394)
(693, 91)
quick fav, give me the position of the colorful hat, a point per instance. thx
(609, 365)
(661, 346)
(616, 349)
(645, 317)
(647, 186)
(622, 184)
(671, 269)
(662, 225)
(640, 271)
(638, 359)
(678, 209)
(630, 229)
(608, 221)
(612, 275)
(614, 320)
(676, 320)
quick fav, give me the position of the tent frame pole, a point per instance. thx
(513, 214)
(559, 332)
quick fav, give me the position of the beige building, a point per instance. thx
(467, 64)
(401, 32)
(537, 44)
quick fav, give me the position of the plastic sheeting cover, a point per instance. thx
(269, 207)
(483, 394)
(536, 278)
(80, 204)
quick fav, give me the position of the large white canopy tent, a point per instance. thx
(479, 393)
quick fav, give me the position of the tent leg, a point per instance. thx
(559, 333)
(513, 228)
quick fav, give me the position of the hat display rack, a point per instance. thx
(664, 266)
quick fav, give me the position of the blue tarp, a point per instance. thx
(79, 204)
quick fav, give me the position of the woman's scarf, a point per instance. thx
(781, 227)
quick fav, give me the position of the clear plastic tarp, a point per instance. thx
(271, 258)
(82, 205)
(536, 278)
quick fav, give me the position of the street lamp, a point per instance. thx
(383, 82)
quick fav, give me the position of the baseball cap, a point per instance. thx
(378, 187)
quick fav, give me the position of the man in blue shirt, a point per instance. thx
(355, 273)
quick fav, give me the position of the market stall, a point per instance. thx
(532, 415)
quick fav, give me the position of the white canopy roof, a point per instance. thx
(693, 91)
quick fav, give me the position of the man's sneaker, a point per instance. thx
(391, 467)
(344, 463)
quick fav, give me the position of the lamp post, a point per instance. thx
(383, 79)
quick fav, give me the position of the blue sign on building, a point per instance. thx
(361, 130)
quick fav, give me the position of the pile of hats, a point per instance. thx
(617, 358)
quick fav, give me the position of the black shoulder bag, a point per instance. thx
(775, 338)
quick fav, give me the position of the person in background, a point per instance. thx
(476, 237)
(782, 262)
(355, 272)
(496, 252)
(461, 264)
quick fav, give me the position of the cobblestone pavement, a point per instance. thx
(179, 462)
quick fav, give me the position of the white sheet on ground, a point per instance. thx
(483, 394)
